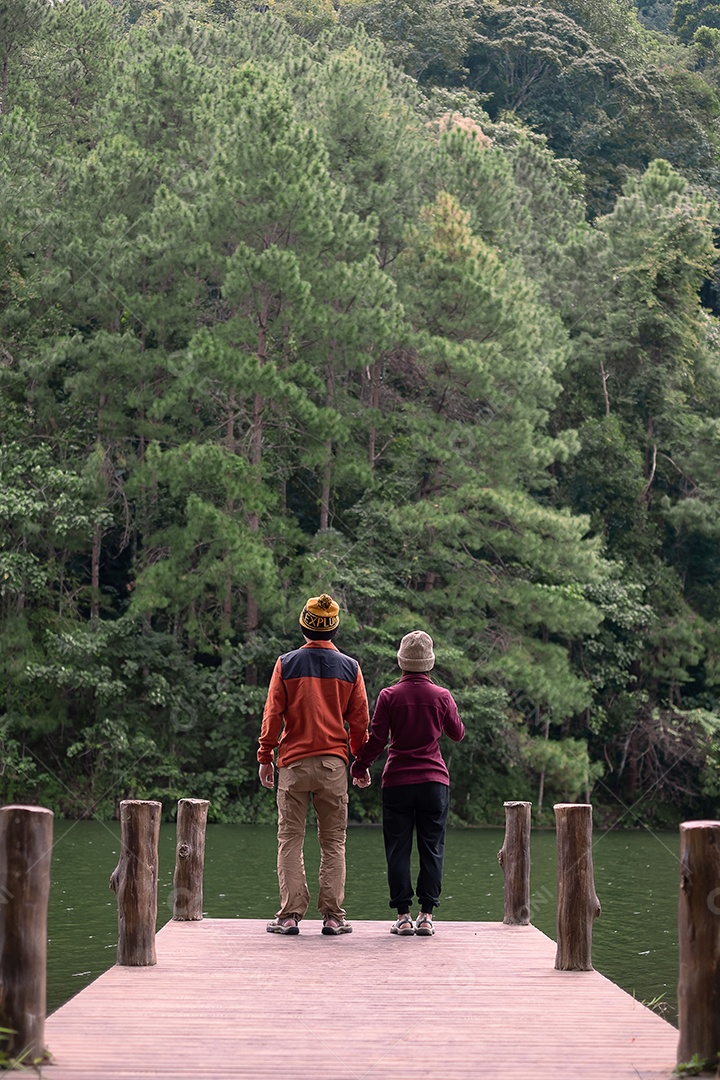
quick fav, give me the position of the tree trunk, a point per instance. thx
(226, 621)
(541, 792)
(95, 574)
(604, 376)
(699, 942)
(374, 375)
(190, 860)
(231, 444)
(3, 84)
(541, 785)
(230, 422)
(135, 881)
(632, 767)
(376, 378)
(252, 622)
(20, 599)
(326, 487)
(26, 837)
(514, 858)
(649, 436)
(326, 484)
(577, 904)
(256, 438)
(252, 617)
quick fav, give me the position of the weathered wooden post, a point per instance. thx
(514, 858)
(577, 903)
(26, 838)
(189, 860)
(699, 942)
(135, 881)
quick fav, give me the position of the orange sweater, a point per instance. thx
(315, 691)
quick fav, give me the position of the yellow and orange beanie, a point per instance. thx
(320, 617)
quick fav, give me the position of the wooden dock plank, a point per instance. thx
(228, 1000)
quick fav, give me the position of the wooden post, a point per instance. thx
(577, 904)
(699, 942)
(26, 838)
(189, 860)
(135, 881)
(514, 857)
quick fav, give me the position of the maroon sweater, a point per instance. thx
(414, 713)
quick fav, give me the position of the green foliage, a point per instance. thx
(276, 318)
(565, 765)
(22, 1061)
(139, 721)
(428, 38)
(693, 1067)
(690, 16)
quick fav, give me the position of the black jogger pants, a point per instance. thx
(423, 809)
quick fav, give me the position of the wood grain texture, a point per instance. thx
(699, 942)
(26, 840)
(189, 859)
(135, 881)
(514, 858)
(478, 1000)
(577, 904)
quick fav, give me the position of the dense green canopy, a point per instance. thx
(410, 302)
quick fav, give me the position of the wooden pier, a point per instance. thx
(228, 1001)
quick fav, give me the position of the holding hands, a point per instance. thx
(267, 777)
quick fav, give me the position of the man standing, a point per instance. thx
(315, 691)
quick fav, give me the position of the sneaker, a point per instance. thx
(287, 925)
(403, 927)
(334, 925)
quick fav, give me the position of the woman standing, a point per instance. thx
(413, 713)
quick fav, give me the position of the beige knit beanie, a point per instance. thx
(416, 652)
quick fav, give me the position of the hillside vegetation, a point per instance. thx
(411, 302)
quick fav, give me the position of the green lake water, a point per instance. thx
(636, 879)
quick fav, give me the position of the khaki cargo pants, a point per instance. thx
(326, 779)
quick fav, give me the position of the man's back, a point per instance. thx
(314, 691)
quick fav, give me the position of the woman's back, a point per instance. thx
(414, 713)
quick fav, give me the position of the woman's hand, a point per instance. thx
(364, 781)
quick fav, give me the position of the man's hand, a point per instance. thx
(267, 775)
(364, 781)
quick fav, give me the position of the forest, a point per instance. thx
(410, 301)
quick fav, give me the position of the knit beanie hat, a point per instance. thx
(320, 617)
(416, 652)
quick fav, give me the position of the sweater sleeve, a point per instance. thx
(452, 724)
(273, 716)
(357, 714)
(377, 741)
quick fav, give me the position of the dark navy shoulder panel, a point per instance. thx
(318, 664)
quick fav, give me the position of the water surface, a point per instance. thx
(636, 879)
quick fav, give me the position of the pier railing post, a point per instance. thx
(135, 881)
(26, 838)
(189, 860)
(577, 902)
(699, 943)
(514, 858)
